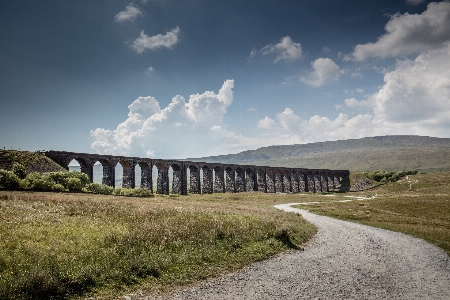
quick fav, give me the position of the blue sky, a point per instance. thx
(178, 79)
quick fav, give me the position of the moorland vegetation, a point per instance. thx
(62, 237)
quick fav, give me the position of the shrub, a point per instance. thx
(9, 180)
(139, 192)
(58, 188)
(19, 170)
(58, 177)
(38, 182)
(385, 176)
(74, 185)
(99, 189)
(84, 178)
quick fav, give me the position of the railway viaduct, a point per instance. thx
(216, 178)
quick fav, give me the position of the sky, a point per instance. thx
(185, 79)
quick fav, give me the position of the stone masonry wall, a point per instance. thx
(217, 178)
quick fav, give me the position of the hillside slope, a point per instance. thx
(425, 154)
(32, 161)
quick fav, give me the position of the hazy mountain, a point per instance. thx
(401, 152)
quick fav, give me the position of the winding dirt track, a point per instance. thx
(343, 261)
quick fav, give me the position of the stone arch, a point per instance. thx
(229, 179)
(261, 180)
(194, 176)
(127, 166)
(239, 186)
(310, 182)
(162, 182)
(207, 184)
(302, 182)
(146, 175)
(107, 172)
(270, 180)
(294, 181)
(278, 181)
(250, 181)
(219, 181)
(178, 180)
(317, 181)
(86, 165)
(286, 181)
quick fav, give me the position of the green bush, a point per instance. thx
(63, 177)
(58, 188)
(385, 176)
(74, 185)
(9, 180)
(84, 178)
(38, 182)
(99, 189)
(19, 170)
(139, 192)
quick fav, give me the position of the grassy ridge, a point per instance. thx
(393, 153)
(63, 245)
(32, 161)
(420, 207)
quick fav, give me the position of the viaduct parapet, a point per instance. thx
(216, 178)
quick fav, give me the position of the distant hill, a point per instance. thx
(394, 153)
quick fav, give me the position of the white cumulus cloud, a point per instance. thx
(415, 99)
(179, 130)
(324, 69)
(417, 92)
(145, 42)
(288, 120)
(407, 34)
(130, 13)
(266, 123)
(352, 102)
(286, 49)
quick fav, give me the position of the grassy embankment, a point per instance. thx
(420, 209)
(62, 245)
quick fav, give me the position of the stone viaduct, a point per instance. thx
(216, 177)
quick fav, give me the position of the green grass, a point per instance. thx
(70, 246)
(421, 210)
(61, 246)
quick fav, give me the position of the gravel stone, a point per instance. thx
(343, 261)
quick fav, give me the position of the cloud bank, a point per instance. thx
(179, 130)
(407, 34)
(415, 99)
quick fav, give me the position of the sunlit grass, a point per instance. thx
(63, 245)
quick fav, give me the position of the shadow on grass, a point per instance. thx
(284, 237)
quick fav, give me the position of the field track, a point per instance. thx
(343, 261)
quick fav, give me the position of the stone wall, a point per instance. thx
(206, 177)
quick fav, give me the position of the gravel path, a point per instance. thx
(343, 261)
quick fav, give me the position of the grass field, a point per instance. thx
(80, 245)
(420, 209)
(63, 246)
